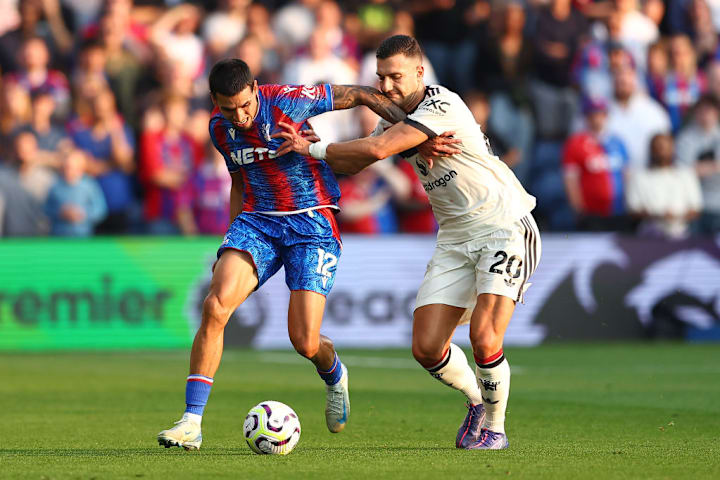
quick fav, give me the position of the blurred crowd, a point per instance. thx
(608, 111)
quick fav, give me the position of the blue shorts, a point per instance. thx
(307, 244)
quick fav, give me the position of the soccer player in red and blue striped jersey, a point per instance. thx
(282, 215)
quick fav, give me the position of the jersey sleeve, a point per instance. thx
(300, 102)
(436, 114)
(219, 137)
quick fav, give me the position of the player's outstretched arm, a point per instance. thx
(350, 157)
(349, 96)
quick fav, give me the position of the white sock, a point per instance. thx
(193, 417)
(454, 371)
(494, 380)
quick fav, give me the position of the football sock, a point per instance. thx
(493, 376)
(453, 370)
(332, 376)
(197, 391)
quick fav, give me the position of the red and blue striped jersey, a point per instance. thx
(291, 182)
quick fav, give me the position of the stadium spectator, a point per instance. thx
(15, 111)
(328, 17)
(637, 31)
(506, 64)
(704, 33)
(175, 41)
(318, 66)
(251, 51)
(109, 142)
(42, 18)
(698, 147)
(658, 69)
(293, 24)
(559, 31)
(665, 197)
(125, 58)
(683, 84)
(48, 135)
(211, 193)
(366, 199)
(414, 212)
(258, 25)
(21, 214)
(225, 27)
(34, 75)
(634, 117)
(594, 164)
(444, 28)
(168, 158)
(75, 203)
(89, 75)
(478, 104)
(34, 177)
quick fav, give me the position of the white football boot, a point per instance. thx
(337, 406)
(185, 434)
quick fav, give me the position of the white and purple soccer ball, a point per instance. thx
(271, 428)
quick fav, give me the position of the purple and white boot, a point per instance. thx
(469, 432)
(490, 441)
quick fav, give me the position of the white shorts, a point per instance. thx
(500, 263)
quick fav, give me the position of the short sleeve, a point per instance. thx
(300, 102)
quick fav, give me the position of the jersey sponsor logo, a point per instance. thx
(440, 182)
(307, 91)
(231, 131)
(251, 154)
(435, 106)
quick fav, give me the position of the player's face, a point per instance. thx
(400, 77)
(241, 108)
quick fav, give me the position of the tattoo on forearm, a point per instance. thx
(348, 96)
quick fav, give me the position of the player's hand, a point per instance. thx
(310, 135)
(294, 142)
(441, 146)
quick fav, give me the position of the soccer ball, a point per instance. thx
(271, 428)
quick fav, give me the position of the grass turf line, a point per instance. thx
(581, 411)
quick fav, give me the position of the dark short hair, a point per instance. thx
(229, 77)
(397, 44)
(708, 100)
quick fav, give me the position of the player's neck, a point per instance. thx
(415, 99)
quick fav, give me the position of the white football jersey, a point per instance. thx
(473, 192)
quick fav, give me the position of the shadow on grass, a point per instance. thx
(244, 452)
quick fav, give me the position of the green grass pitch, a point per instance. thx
(576, 411)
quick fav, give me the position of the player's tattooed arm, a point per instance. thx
(349, 96)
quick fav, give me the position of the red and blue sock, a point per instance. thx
(332, 376)
(197, 392)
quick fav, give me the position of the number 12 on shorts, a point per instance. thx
(326, 261)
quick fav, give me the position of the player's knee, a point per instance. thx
(426, 353)
(306, 347)
(215, 312)
(485, 344)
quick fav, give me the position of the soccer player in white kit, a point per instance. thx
(488, 244)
